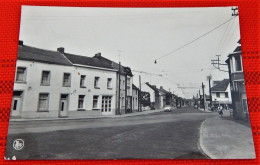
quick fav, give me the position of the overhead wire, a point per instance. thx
(177, 49)
(224, 42)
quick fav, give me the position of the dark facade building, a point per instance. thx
(237, 84)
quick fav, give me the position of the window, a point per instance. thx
(20, 74)
(109, 83)
(81, 102)
(238, 65)
(95, 102)
(226, 95)
(66, 79)
(123, 101)
(106, 103)
(128, 81)
(45, 78)
(43, 102)
(96, 82)
(217, 94)
(82, 80)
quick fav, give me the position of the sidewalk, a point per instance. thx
(135, 113)
(223, 138)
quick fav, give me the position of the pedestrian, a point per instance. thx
(220, 110)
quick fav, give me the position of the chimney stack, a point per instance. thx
(98, 55)
(61, 50)
(161, 87)
(20, 42)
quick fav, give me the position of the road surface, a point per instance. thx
(162, 135)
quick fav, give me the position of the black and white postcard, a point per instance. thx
(129, 83)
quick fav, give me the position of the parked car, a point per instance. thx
(147, 108)
(168, 108)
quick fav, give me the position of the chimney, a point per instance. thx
(161, 87)
(98, 55)
(61, 50)
(20, 42)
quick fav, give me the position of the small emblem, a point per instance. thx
(18, 144)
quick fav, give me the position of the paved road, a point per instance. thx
(164, 135)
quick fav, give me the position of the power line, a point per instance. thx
(224, 42)
(194, 40)
(224, 34)
(230, 37)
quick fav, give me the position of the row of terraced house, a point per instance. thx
(59, 84)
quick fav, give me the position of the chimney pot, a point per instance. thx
(161, 87)
(60, 49)
(98, 54)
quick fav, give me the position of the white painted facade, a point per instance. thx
(146, 88)
(28, 105)
(135, 100)
(222, 99)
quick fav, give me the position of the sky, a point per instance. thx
(139, 36)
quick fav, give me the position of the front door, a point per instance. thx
(106, 105)
(16, 107)
(63, 112)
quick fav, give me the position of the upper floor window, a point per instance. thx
(96, 82)
(109, 83)
(82, 80)
(21, 74)
(43, 102)
(226, 95)
(45, 78)
(128, 81)
(238, 64)
(217, 94)
(66, 79)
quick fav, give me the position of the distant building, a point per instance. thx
(220, 92)
(135, 98)
(165, 97)
(155, 102)
(237, 84)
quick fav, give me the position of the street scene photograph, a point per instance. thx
(129, 83)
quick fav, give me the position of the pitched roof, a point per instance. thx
(135, 87)
(153, 87)
(238, 49)
(89, 61)
(114, 65)
(40, 55)
(164, 91)
(220, 85)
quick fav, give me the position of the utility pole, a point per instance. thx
(217, 62)
(119, 92)
(235, 11)
(204, 98)
(210, 96)
(200, 99)
(140, 95)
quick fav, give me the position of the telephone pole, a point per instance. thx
(204, 98)
(210, 96)
(218, 63)
(140, 95)
(235, 11)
